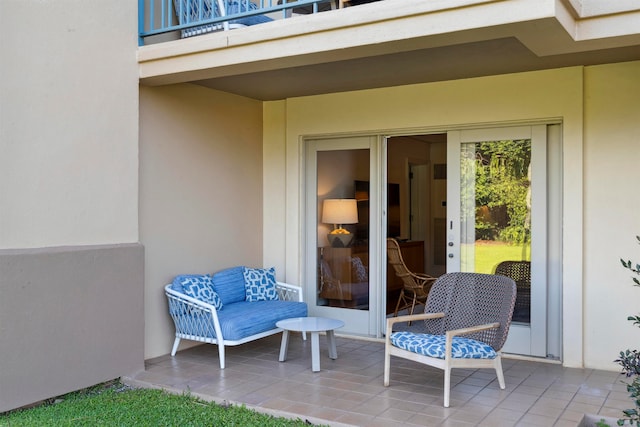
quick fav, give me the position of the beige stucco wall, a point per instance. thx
(70, 318)
(554, 95)
(68, 123)
(200, 191)
(611, 210)
(71, 276)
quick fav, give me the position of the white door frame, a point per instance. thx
(357, 322)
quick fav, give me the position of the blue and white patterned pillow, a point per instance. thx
(200, 287)
(434, 346)
(260, 284)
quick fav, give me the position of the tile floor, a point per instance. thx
(349, 390)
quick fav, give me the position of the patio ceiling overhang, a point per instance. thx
(394, 42)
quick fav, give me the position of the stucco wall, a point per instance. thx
(70, 317)
(200, 191)
(611, 210)
(553, 95)
(71, 277)
(68, 123)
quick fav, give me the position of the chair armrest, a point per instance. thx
(192, 301)
(190, 315)
(463, 331)
(410, 318)
(288, 292)
(471, 329)
(424, 279)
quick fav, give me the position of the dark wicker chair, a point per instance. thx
(520, 272)
(416, 286)
(467, 319)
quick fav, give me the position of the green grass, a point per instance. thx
(489, 254)
(115, 405)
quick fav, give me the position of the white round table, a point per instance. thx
(313, 325)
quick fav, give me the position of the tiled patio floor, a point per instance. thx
(349, 390)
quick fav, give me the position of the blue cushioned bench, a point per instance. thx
(232, 307)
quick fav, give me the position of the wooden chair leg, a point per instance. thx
(497, 363)
(447, 385)
(387, 366)
(400, 299)
(413, 306)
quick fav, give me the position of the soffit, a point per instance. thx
(389, 43)
(467, 60)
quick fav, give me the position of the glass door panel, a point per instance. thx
(495, 227)
(343, 244)
(341, 204)
(497, 223)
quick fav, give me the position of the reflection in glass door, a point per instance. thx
(495, 203)
(340, 192)
(497, 219)
(343, 246)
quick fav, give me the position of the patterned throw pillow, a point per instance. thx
(200, 287)
(260, 284)
(360, 273)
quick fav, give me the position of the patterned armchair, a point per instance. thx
(467, 318)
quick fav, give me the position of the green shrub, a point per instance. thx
(630, 359)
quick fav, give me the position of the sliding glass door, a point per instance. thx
(341, 196)
(497, 219)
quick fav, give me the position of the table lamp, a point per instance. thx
(339, 212)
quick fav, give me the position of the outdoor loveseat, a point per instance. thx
(231, 307)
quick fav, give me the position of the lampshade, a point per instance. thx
(340, 211)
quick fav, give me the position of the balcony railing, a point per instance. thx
(193, 17)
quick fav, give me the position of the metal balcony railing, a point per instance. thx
(193, 17)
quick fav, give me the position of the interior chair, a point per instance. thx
(466, 322)
(329, 287)
(520, 272)
(416, 286)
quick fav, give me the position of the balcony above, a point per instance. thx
(393, 42)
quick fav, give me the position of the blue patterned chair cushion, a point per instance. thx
(434, 346)
(200, 287)
(229, 284)
(260, 284)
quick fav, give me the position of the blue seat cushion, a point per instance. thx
(229, 285)
(434, 346)
(243, 319)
